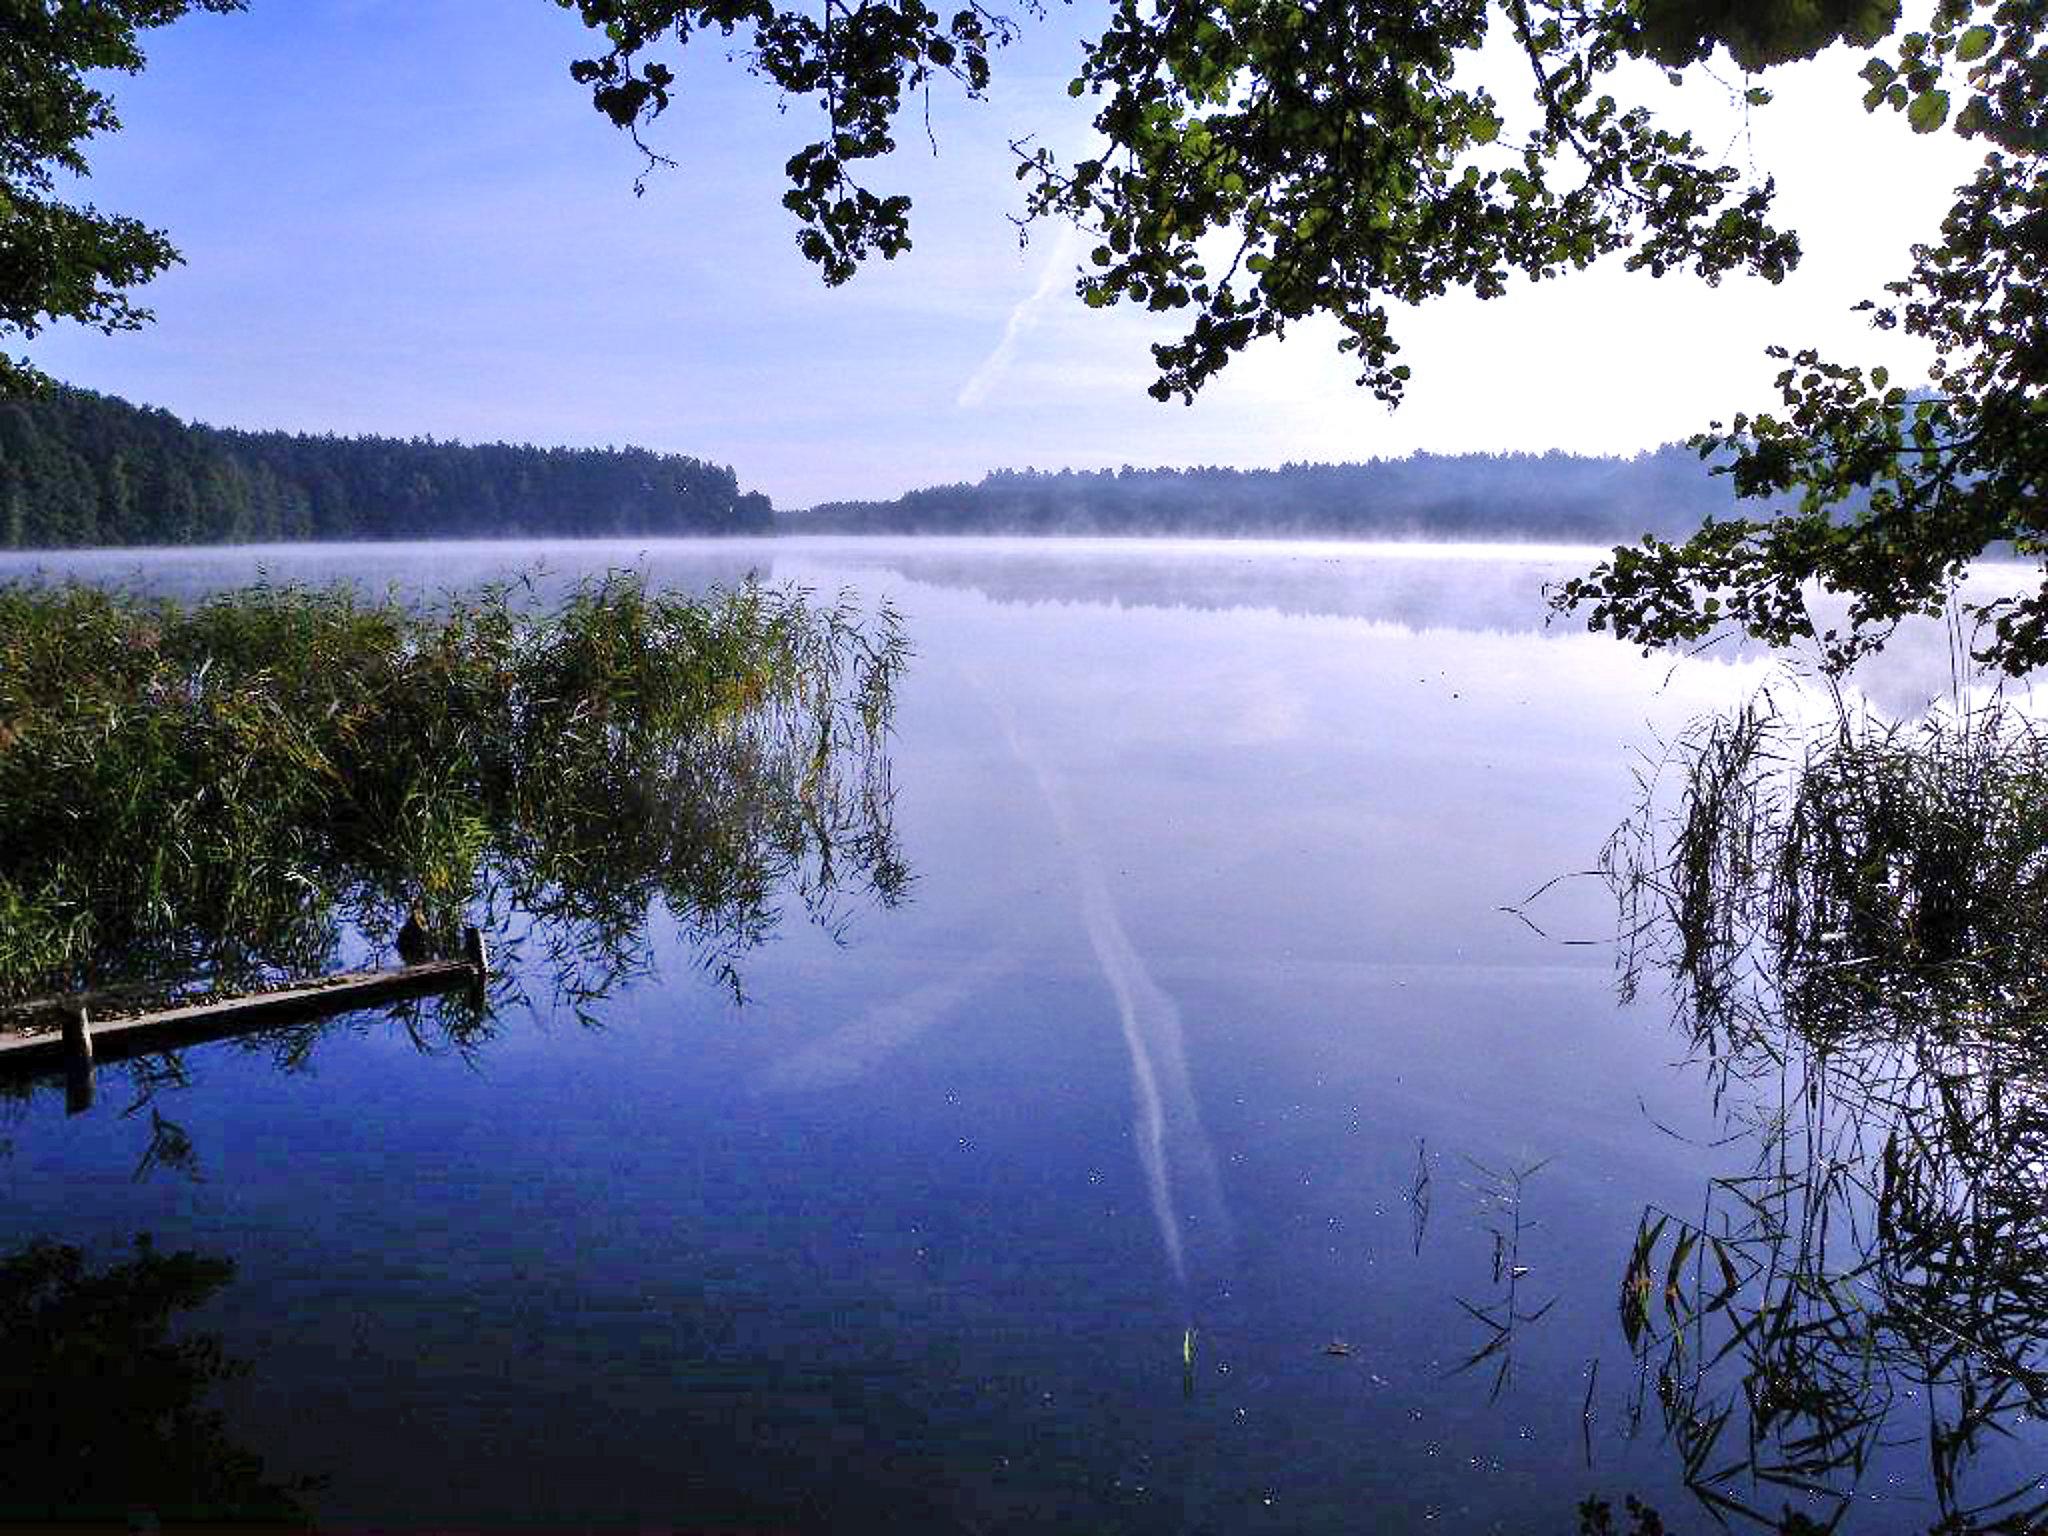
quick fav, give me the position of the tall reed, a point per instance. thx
(1855, 873)
(1851, 914)
(215, 792)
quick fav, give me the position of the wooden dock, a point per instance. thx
(74, 1043)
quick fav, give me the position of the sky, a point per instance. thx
(403, 217)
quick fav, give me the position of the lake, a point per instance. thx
(1199, 1146)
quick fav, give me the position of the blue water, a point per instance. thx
(1142, 1172)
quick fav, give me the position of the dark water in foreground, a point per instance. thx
(1198, 1148)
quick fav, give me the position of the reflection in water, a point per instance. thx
(1851, 917)
(857, 1048)
(107, 1416)
(1418, 585)
(932, 1293)
(1507, 1310)
(170, 1146)
(1173, 1149)
(208, 798)
(216, 795)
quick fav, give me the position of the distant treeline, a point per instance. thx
(1470, 496)
(79, 469)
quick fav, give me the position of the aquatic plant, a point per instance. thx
(1500, 1193)
(1850, 916)
(1854, 873)
(216, 793)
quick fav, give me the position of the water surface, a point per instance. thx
(1200, 1147)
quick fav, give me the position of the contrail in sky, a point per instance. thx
(1059, 263)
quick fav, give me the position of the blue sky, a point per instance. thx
(401, 216)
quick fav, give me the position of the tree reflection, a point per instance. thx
(1850, 918)
(107, 1414)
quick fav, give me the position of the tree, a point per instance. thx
(109, 1403)
(1898, 491)
(1338, 161)
(61, 260)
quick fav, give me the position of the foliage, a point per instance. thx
(79, 468)
(1849, 914)
(1867, 875)
(227, 791)
(61, 260)
(858, 62)
(1263, 161)
(1332, 144)
(106, 1416)
(1349, 170)
(1898, 491)
(1680, 32)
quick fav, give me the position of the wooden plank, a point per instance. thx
(217, 1018)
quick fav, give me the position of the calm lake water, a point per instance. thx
(1200, 1147)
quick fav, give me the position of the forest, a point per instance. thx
(82, 469)
(1557, 496)
(78, 468)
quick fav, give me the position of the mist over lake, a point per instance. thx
(1235, 1126)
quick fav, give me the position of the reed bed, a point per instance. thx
(212, 793)
(1856, 875)
(1850, 914)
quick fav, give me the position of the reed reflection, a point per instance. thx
(1850, 917)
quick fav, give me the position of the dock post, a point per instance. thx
(78, 1073)
(478, 954)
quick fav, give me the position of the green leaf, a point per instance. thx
(1975, 43)
(1928, 111)
(1729, 1282)
(1673, 1273)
